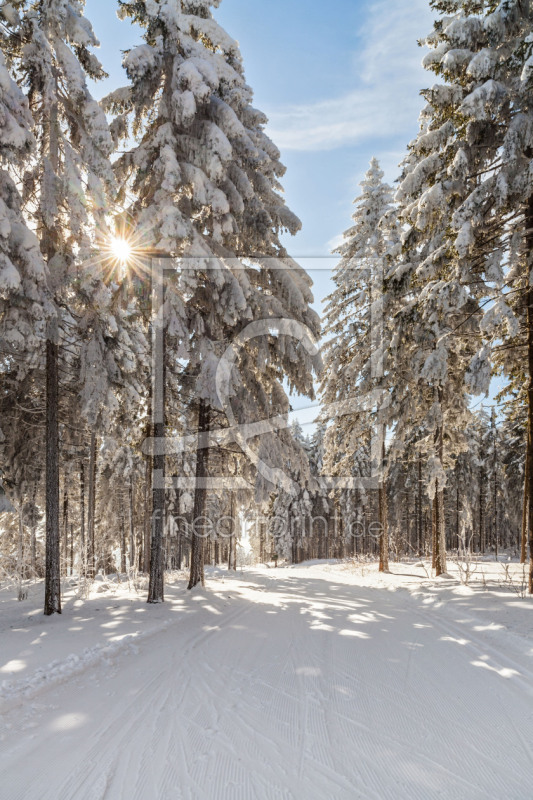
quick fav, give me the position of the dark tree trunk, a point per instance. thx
(382, 500)
(33, 539)
(91, 553)
(529, 457)
(20, 557)
(33, 551)
(419, 521)
(495, 502)
(231, 536)
(481, 520)
(122, 531)
(440, 530)
(433, 533)
(235, 532)
(457, 506)
(157, 550)
(200, 497)
(436, 532)
(147, 517)
(83, 545)
(52, 578)
(71, 548)
(523, 541)
(65, 527)
(440, 535)
(132, 534)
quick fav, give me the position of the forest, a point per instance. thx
(241, 601)
(140, 245)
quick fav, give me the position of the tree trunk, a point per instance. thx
(495, 515)
(20, 556)
(232, 534)
(529, 458)
(71, 548)
(523, 542)
(382, 500)
(440, 530)
(52, 578)
(91, 554)
(122, 531)
(33, 537)
(200, 497)
(441, 536)
(83, 544)
(434, 545)
(457, 506)
(481, 520)
(147, 516)
(132, 535)
(436, 532)
(235, 533)
(157, 552)
(33, 551)
(65, 528)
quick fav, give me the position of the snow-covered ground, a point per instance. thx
(318, 681)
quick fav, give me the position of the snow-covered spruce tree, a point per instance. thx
(65, 192)
(484, 51)
(24, 296)
(25, 300)
(512, 455)
(206, 183)
(357, 328)
(291, 510)
(446, 176)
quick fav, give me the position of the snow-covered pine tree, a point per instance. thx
(24, 296)
(356, 346)
(205, 179)
(484, 51)
(65, 192)
(25, 301)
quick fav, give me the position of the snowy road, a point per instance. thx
(304, 686)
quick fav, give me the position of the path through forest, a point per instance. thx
(290, 683)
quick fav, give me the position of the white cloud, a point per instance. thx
(386, 100)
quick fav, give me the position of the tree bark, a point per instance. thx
(200, 497)
(457, 506)
(440, 531)
(495, 486)
(523, 542)
(147, 516)
(434, 533)
(20, 556)
(382, 500)
(91, 554)
(52, 578)
(65, 527)
(33, 541)
(132, 534)
(122, 531)
(235, 536)
(83, 544)
(71, 548)
(157, 551)
(481, 520)
(529, 458)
